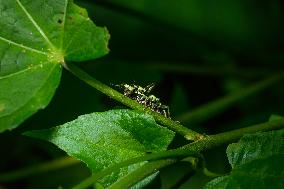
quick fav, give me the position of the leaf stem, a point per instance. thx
(141, 173)
(192, 149)
(206, 111)
(185, 68)
(36, 169)
(208, 173)
(173, 125)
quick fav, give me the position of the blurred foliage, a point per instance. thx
(244, 37)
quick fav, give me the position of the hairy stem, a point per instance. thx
(192, 149)
(36, 169)
(173, 125)
(207, 111)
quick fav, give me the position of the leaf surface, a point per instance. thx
(257, 162)
(107, 138)
(36, 37)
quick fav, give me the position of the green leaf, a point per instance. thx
(106, 138)
(257, 162)
(36, 37)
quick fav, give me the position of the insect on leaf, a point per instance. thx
(36, 37)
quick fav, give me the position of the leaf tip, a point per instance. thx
(29, 134)
(39, 134)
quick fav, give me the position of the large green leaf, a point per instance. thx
(106, 138)
(257, 162)
(36, 37)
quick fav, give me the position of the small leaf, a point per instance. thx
(257, 162)
(36, 37)
(252, 147)
(107, 138)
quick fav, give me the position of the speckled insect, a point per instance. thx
(142, 95)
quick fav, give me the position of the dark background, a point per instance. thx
(194, 51)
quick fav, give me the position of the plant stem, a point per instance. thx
(141, 173)
(36, 169)
(173, 125)
(192, 149)
(208, 173)
(206, 111)
(185, 68)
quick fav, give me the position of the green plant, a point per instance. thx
(122, 147)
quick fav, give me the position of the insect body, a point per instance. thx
(136, 90)
(142, 95)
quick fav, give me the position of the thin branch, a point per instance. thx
(211, 174)
(171, 124)
(37, 169)
(209, 110)
(204, 70)
(141, 173)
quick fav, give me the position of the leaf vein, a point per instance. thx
(64, 21)
(35, 92)
(35, 24)
(70, 41)
(23, 46)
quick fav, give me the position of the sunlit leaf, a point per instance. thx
(36, 38)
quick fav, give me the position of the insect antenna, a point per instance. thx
(149, 88)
